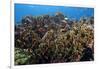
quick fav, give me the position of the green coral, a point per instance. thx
(21, 56)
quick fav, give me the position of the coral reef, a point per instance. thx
(53, 39)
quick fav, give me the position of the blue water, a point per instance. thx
(35, 10)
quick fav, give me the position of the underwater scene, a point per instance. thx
(45, 34)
